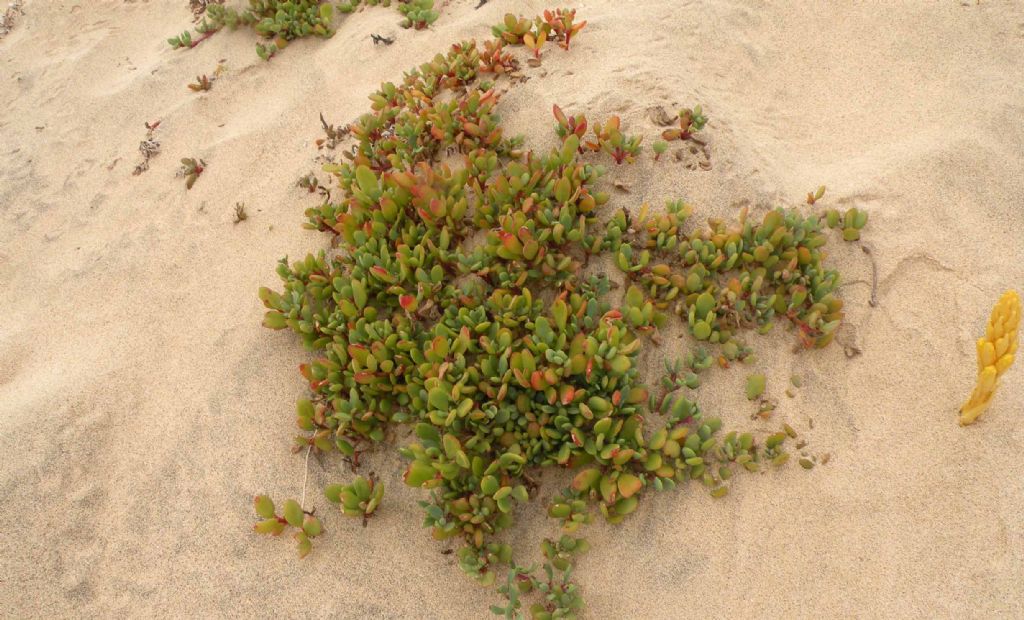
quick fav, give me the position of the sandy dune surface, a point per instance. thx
(141, 403)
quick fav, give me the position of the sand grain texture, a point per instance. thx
(141, 403)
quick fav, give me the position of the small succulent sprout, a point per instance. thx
(570, 510)
(570, 126)
(659, 147)
(191, 168)
(996, 351)
(292, 515)
(853, 221)
(755, 386)
(610, 139)
(181, 41)
(561, 26)
(358, 499)
(690, 122)
(535, 41)
(418, 13)
(815, 196)
(512, 29)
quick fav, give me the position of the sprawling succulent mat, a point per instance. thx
(456, 302)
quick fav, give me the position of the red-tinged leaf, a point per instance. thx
(364, 377)
(616, 397)
(274, 320)
(537, 380)
(264, 506)
(408, 302)
(559, 115)
(269, 526)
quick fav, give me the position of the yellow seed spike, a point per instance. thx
(996, 352)
(986, 354)
(1004, 362)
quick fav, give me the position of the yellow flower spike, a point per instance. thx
(995, 355)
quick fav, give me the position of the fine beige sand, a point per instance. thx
(141, 403)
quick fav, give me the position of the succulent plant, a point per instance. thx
(561, 25)
(359, 499)
(659, 148)
(292, 515)
(456, 304)
(191, 168)
(815, 196)
(418, 13)
(279, 20)
(690, 121)
(996, 351)
(755, 386)
(609, 139)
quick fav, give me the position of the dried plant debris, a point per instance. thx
(333, 135)
(9, 16)
(190, 169)
(659, 116)
(201, 84)
(240, 214)
(149, 148)
(204, 83)
(379, 39)
(457, 306)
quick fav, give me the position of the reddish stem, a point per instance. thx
(206, 35)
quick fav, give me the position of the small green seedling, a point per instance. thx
(690, 121)
(659, 148)
(308, 526)
(815, 196)
(755, 386)
(561, 27)
(191, 168)
(418, 13)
